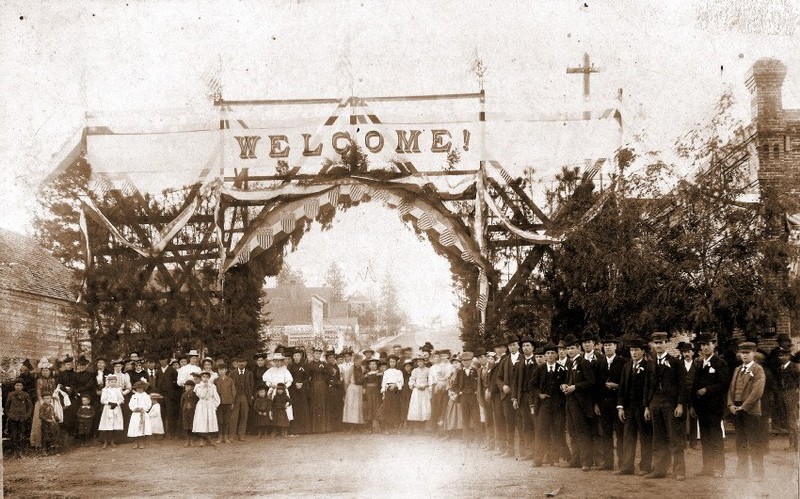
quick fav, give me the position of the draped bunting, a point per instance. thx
(533, 237)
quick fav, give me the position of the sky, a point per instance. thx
(672, 60)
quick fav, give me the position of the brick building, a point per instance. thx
(35, 299)
(777, 143)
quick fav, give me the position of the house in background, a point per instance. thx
(35, 301)
(301, 315)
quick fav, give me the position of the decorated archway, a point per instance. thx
(253, 181)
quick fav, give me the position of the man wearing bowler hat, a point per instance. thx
(709, 391)
(523, 394)
(497, 396)
(509, 367)
(578, 388)
(548, 404)
(744, 403)
(630, 410)
(666, 397)
(609, 376)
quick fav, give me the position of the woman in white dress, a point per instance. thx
(139, 404)
(419, 408)
(353, 376)
(205, 414)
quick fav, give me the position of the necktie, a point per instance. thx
(241, 372)
(550, 369)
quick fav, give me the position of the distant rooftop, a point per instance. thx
(25, 266)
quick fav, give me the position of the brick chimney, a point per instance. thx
(765, 82)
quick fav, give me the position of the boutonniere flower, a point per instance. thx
(751, 374)
(640, 369)
(711, 370)
(575, 367)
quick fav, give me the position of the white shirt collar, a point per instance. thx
(749, 365)
(609, 360)
(589, 356)
(707, 361)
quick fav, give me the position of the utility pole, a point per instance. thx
(586, 70)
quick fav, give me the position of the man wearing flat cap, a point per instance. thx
(709, 392)
(744, 403)
(667, 395)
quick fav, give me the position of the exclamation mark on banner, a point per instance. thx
(466, 140)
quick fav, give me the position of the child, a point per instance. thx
(19, 408)
(372, 394)
(139, 425)
(188, 406)
(227, 395)
(261, 404)
(111, 398)
(85, 420)
(50, 432)
(205, 415)
(280, 402)
(156, 423)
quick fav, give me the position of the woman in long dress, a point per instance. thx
(205, 414)
(419, 408)
(453, 419)
(405, 393)
(372, 394)
(354, 394)
(44, 384)
(391, 387)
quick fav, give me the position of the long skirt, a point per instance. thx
(372, 403)
(319, 407)
(353, 404)
(453, 419)
(205, 417)
(419, 408)
(300, 406)
(406, 402)
(438, 405)
(392, 405)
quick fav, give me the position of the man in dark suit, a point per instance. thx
(498, 396)
(522, 393)
(549, 407)
(788, 381)
(243, 382)
(744, 403)
(166, 383)
(709, 390)
(686, 350)
(468, 396)
(630, 410)
(508, 379)
(667, 395)
(609, 376)
(578, 391)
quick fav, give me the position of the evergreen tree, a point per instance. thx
(335, 279)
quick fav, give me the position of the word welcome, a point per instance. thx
(403, 142)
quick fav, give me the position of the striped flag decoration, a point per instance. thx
(503, 173)
(357, 192)
(426, 221)
(101, 185)
(244, 256)
(264, 238)
(333, 196)
(447, 238)
(405, 207)
(287, 222)
(468, 257)
(380, 195)
(311, 208)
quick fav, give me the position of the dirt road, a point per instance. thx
(357, 465)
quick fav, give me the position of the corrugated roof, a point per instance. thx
(25, 266)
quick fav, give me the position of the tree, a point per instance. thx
(335, 279)
(287, 274)
(390, 316)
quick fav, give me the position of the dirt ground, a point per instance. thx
(357, 465)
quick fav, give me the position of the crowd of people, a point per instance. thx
(588, 403)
